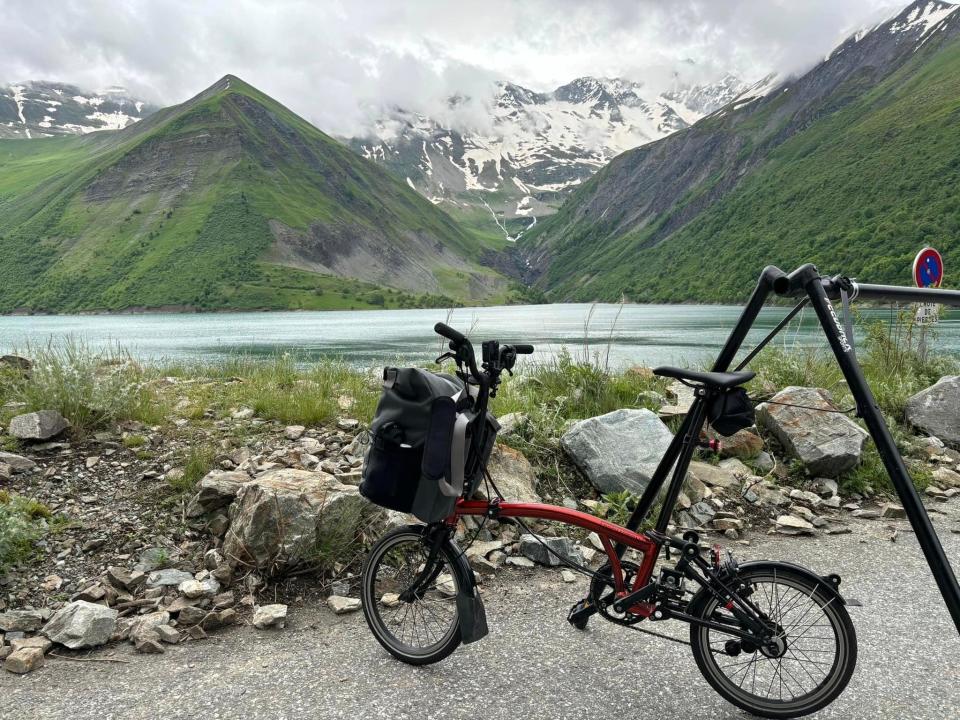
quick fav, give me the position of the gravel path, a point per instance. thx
(533, 664)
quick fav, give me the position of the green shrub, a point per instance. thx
(197, 463)
(291, 389)
(22, 522)
(91, 388)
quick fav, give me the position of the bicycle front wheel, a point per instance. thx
(815, 653)
(411, 608)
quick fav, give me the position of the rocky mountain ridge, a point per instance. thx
(531, 148)
(36, 109)
(226, 200)
(789, 157)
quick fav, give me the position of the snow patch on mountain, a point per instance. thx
(40, 109)
(925, 19)
(527, 149)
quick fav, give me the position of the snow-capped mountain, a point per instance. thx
(529, 149)
(38, 109)
(913, 26)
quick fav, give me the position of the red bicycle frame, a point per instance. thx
(608, 532)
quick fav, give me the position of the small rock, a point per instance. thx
(93, 593)
(792, 525)
(743, 444)
(244, 413)
(17, 463)
(342, 605)
(20, 621)
(24, 660)
(294, 432)
(947, 478)
(724, 524)
(41, 425)
(167, 577)
(806, 497)
(40, 642)
(212, 559)
(167, 634)
(266, 616)
(866, 514)
(890, 510)
(81, 624)
(190, 615)
(148, 623)
(51, 583)
(511, 423)
(348, 424)
(390, 600)
(764, 462)
(92, 461)
(568, 576)
(16, 362)
(520, 561)
(148, 643)
(538, 548)
(124, 579)
(196, 633)
(196, 588)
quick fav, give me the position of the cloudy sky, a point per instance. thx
(335, 61)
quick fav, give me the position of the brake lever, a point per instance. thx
(445, 356)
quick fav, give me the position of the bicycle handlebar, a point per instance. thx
(449, 333)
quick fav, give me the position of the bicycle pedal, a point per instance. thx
(580, 613)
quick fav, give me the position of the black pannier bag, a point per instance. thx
(730, 411)
(424, 448)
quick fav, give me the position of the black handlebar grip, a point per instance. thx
(523, 349)
(449, 333)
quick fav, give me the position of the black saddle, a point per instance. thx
(715, 380)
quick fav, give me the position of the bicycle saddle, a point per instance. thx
(716, 380)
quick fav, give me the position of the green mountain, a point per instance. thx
(854, 166)
(229, 200)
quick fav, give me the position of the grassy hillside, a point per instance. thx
(227, 201)
(869, 177)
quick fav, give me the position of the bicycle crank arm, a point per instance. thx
(644, 594)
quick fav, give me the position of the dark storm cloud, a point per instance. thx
(334, 61)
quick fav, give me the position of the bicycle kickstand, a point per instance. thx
(581, 612)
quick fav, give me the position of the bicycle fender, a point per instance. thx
(830, 583)
(473, 617)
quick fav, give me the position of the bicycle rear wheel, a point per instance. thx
(816, 647)
(410, 608)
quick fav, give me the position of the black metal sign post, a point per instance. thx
(819, 291)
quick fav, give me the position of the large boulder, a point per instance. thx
(618, 451)
(82, 624)
(282, 518)
(828, 443)
(513, 475)
(936, 410)
(41, 425)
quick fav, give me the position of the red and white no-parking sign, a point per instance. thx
(928, 268)
(928, 273)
